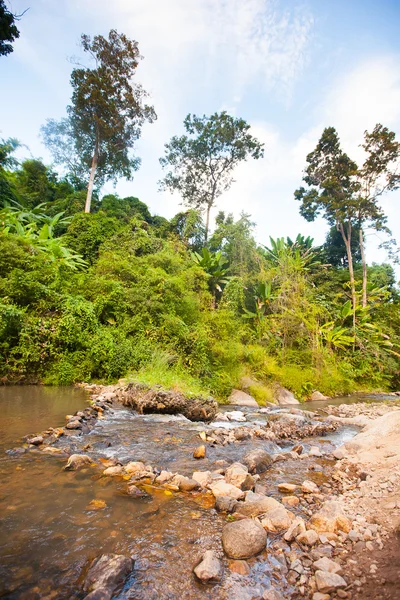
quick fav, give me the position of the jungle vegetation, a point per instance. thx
(97, 288)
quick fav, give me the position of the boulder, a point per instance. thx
(256, 504)
(284, 397)
(238, 475)
(330, 518)
(147, 400)
(225, 504)
(200, 452)
(107, 573)
(329, 582)
(203, 477)
(240, 398)
(316, 396)
(243, 539)
(78, 461)
(209, 569)
(277, 519)
(257, 461)
(326, 564)
(221, 488)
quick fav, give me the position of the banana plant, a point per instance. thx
(216, 267)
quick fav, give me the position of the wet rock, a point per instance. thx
(315, 451)
(277, 519)
(236, 415)
(209, 569)
(225, 504)
(328, 565)
(114, 471)
(243, 539)
(256, 504)
(108, 573)
(74, 425)
(238, 475)
(36, 441)
(290, 500)
(221, 488)
(200, 452)
(99, 594)
(186, 484)
(308, 538)
(240, 567)
(164, 477)
(287, 487)
(316, 396)
(240, 398)
(96, 505)
(330, 518)
(135, 492)
(319, 596)
(203, 477)
(328, 582)
(296, 528)
(77, 461)
(284, 397)
(147, 400)
(257, 461)
(135, 468)
(298, 449)
(309, 487)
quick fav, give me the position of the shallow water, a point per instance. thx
(49, 534)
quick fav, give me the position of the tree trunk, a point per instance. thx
(207, 223)
(347, 242)
(91, 178)
(364, 269)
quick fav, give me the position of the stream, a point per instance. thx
(49, 534)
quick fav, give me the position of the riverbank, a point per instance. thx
(279, 470)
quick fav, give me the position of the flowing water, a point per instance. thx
(49, 533)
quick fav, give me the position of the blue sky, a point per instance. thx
(290, 68)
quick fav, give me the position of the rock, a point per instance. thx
(225, 504)
(298, 448)
(147, 400)
(290, 500)
(135, 468)
(315, 451)
(77, 461)
(277, 519)
(209, 569)
(257, 461)
(236, 415)
(287, 487)
(238, 475)
(107, 573)
(221, 488)
(135, 492)
(308, 538)
(240, 398)
(74, 425)
(330, 518)
(188, 485)
(203, 477)
(200, 452)
(328, 582)
(319, 596)
(296, 528)
(256, 504)
(340, 453)
(316, 396)
(36, 441)
(240, 567)
(221, 417)
(96, 505)
(113, 471)
(272, 595)
(309, 487)
(164, 477)
(328, 565)
(284, 397)
(243, 539)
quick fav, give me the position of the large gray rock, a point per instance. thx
(240, 398)
(106, 574)
(147, 400)
(285, 398)
(209, 569)
(257, 461)
(243, 539)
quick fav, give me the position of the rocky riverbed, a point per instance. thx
(291, 512)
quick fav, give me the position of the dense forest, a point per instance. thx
(97, 288)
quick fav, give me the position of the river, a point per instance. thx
(49, 533)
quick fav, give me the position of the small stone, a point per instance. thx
(113, 471)
(203, 477)
(290, 500)
(353, 536)
(225, 504)
(36, 441)
(135, 468)
(96, 505)
(200, 452)
(309, 537)
(164, 477)
(135, 492)
(328, 582)
(298, 449)
(315, 451)
(209, 569)
(240, 567)
(287, 487)
(77, 461)
(188, 485)
(342, 594)
(369, 546)
(74, 425)
(309, 487)
(238, 475)
(328, 565)
(243, 539)
(272, 595)
(296, 528)
(221, 488)
(319, 596)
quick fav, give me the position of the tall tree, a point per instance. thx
(106, 113)
(8, 29)
(201, 163)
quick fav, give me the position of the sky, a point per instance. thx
(290, 68)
